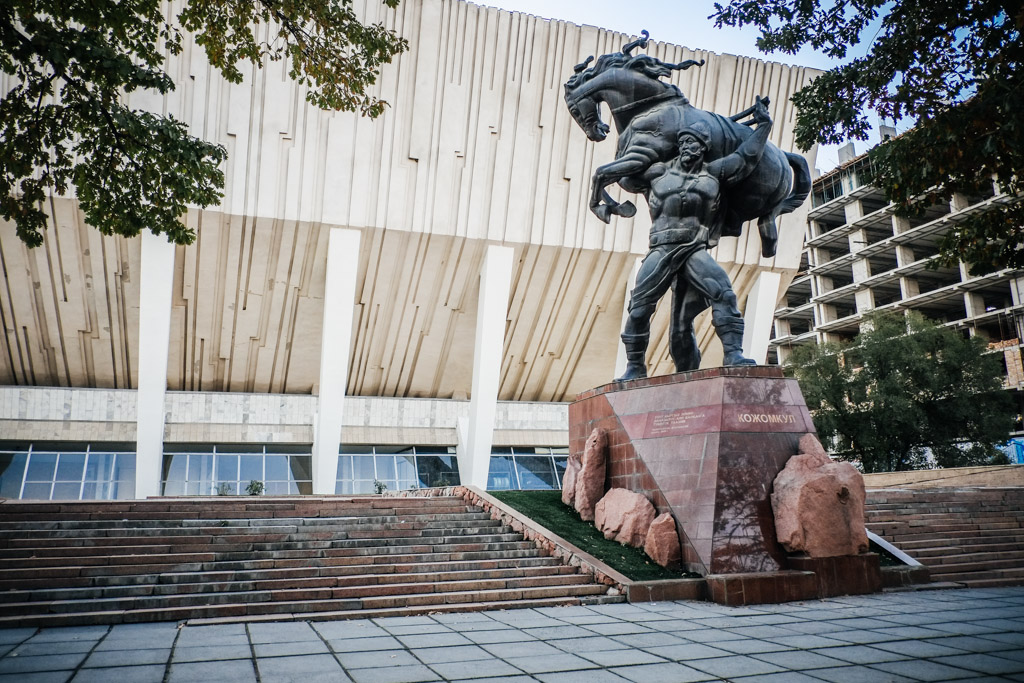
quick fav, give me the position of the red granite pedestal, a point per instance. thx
(706, 446)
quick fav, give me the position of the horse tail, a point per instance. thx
(801, 183)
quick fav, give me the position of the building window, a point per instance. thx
(519, 468)
(205, 470)
(67, 472)
(396, 467)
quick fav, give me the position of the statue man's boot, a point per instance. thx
(636, 351)
(731, 334)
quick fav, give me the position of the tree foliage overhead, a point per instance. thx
(903, 386)
(954, 66)
(65, 123)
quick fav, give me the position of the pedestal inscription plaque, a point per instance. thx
(706, 446)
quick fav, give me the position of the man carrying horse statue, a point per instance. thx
(703, 175)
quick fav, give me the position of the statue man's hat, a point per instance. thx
(699, 130)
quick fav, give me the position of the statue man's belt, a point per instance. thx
(679, 236)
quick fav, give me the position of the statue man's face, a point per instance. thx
(690, 149)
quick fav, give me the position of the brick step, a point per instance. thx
(958, 518)
(993, 583)
(309, 506)
(924, 533)
(15, 529)
(965, 576)
(258, 545)
(974, 553)
(54, 620)
(425, 592)
(13, 578)
(952, 567)
(301, 579)
(967, 543)
(422, 563)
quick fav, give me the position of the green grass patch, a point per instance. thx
(546, 508)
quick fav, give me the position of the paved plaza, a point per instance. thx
(975, 634)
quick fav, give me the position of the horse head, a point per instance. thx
(628, 84)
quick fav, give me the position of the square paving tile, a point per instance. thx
(108, 658)
(617, 628)
(923, 670)
(670, 672)
(749, 646)
(805, 641)
(49, 635)
(510, 635)
(37, 677)
(621, 657)
(970, 643)
(918, 648)
(856, 637)
(983, 663)
(588, 676)
(348, 629)
(860, 654)
(443, 655)
(394, 674)
(153, 673)
(734, 666)
(312, 668)
(784, 677)
(200, 636)
(688, 651)
(229, 671)
(15, 635)
(490, 668)
(799, 660)
(563, 661)
(286, 649)
(650, 639)
(561, 631)
(711, 636)
(53, 648)
(365, 644)
(382, 659)
(434, 640)
(418, 629)
(282, 632)
(857, 674)
(506, 650)
(591, 644)
(19, 665)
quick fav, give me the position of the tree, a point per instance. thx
(952, 65)
(904, 385)
(64, 123)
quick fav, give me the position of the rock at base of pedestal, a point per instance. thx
(590, 479)
(662, 542)
(819, 505)
(572, 473)
(624, 516)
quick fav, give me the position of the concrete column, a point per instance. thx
(759, 315)
(335, 349)
(474, 454)
(156, 281)
(620, 355)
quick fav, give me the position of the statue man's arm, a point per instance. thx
(738, 165)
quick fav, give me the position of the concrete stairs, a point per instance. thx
(217, 559)
(972, 536)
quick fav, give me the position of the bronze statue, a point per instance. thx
(694, 198)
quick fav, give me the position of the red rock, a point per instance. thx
(572, 471)
(624, 516)
(819, 508)
(590, 480)
(809, 445)
(662, 542)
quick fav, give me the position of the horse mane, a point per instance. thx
(651, 67)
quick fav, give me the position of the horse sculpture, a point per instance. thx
(648, 115)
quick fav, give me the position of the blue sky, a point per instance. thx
(683, 22)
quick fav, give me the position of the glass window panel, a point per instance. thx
(171, 488)
(200, 468)
(250, 467)
(70, 467)
(301, 466)
(535, 472)
(385, 467)
(41, 467)
(344, 467)
(343, 487)
(436, 470)
(405, 467)
(174, 467)
(289, 449)
(521, 450)
(305, 488)
(37, 491)
(560, 464)
(501, 450)
(12, 471)
(99, 467)
(101, 490)
(240, 448)
(406, 484)
(192, 488)
(501, 476)
(227, 467)
(226, 488)
(356, 449)
(67, 490)
(124, 472)
(362, 467)
(277, 467)
(560, 451)
(123, 490)
(362, 486)
(433, 450)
